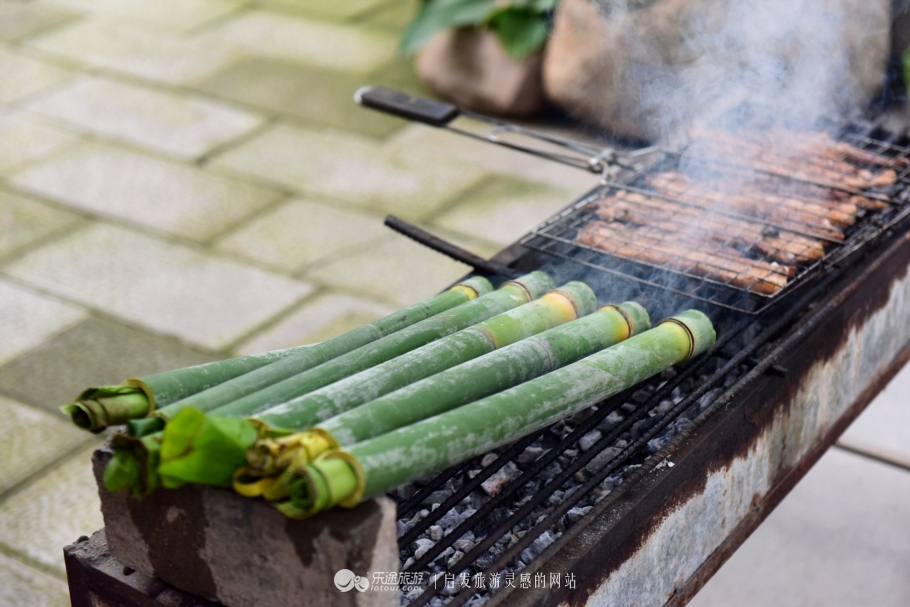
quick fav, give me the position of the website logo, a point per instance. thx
(346, 579)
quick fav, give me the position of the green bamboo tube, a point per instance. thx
(101, 406)
(377, 465)
(510, 295)
(552, 309)
(470, 381)
(197, 464)
(315, 355)
(476, 379)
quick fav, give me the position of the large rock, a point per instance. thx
(469, 68)
(646, 69)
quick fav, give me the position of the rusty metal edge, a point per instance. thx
(617, 539)
(763, 508)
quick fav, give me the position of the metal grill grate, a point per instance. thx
(741, 237)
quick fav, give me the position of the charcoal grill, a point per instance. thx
(641, 498)
(598, 511)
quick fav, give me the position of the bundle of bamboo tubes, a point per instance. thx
(460, 373)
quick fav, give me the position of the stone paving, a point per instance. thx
(186, 180)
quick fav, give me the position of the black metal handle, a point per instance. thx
(420, 109)
(480, 265)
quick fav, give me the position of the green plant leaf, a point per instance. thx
(520, 31)
(437, 15)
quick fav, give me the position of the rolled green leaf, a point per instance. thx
(552, 309)
(315, 355)
(377, 465)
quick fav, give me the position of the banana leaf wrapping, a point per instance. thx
(552, 309)
(369, 468)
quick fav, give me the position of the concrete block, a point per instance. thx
(174, 15)
(19, 21)
(26, 221)
(243, 552)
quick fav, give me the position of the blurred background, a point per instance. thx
(187, 180)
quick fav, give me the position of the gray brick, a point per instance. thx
(318, 319)
(318, 43)
(183, 126)
(27, 140)
(26, 586)
(301, 232)
(164, 195)
(22, 77)
(169, 288)
(312, 93)
(23, 221)
(122, 46)
(28, 319)
(32, 439)
(18, 21)
(399, 271)
(53, 511)
(504, 209)
(96, 352)
(343, 166)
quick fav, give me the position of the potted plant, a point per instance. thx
(483, 55)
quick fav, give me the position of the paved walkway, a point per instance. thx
(185, 180)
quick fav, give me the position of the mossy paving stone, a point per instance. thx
(320, 95)
(95, 352)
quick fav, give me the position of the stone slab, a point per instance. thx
(26, 586)
(885, 423)
(319, 43)
(319, 318)
(51, 512)
(96, 352)
(312, 93)
(398, 271)
(173, 289)
(840, 539)
(24, 221)
(121, 46)
(28, 319)
(27, 140)
(406, 182)
(32, 439)
(22, 77)
(300, 233)
(140, 188)
(503, 210)
(243, 552)
(19, 20)
(182, 126)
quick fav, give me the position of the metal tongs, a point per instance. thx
(604, 161)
